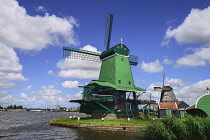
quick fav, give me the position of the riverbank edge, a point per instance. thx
(119, 128)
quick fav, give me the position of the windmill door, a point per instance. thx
(128, 106)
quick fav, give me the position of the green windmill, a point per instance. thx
(114, 94)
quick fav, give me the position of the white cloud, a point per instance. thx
(51, 72)
(48, 93)
(75, 96)
(47, 96)
(167, 61)
(190, 60)
(70, 84)
(192, 92)
(7, 84)
(41, 8)
(152, 67)
(82, 69)
(25, 32)
(194, 29)
(33, 32)
(174, 82)
(9, 60)
(10, 68)
(77, 64)
(28, 88)
(80, 74)
(200, 57)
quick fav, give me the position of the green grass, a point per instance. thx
(116, 122)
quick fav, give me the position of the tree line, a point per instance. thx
(12, 107)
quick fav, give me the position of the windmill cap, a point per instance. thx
(167, 88)
(120, 49)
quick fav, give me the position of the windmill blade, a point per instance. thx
(108, 30)
(157, 89)
(73, 53)
(133, 60)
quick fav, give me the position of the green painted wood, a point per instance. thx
(182, 114)
(119, 49)
(204, 104)
(116, 72)
(168, 113)
(103, 106)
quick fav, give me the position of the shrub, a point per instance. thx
(206, 123)
(195, 128)
(158, 131)
(175, 127)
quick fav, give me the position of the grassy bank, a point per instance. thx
(117, 122)
(169, 128)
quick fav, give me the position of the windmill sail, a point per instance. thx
(73, 53)
(108, 30)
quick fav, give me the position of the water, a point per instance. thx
(35, 126)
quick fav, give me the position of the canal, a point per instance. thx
(35, 126)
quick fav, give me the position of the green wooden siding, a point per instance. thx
(182, 114)
(107, 72)
(116, 72)
(123, 72)
(204, 104)
(168, 112)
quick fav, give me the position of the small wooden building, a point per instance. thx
(176, 109)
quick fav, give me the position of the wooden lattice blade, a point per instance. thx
(73, 53)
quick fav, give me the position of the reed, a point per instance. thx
(171, 128)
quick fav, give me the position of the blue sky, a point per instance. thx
(169, 37)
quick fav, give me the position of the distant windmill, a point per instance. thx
(207, 89)
(57, 107)
(167, 94)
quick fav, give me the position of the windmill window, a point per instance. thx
(119, 81)
(129, 82)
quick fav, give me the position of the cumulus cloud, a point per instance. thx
(10, 68)
(152, 67)
(70, 84)
(18, 30)
(33, 32)
(192, 92)
(199, 57)
(167, 61)
(81, 69)
(194, 29)
(75, 96)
